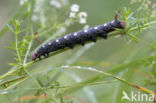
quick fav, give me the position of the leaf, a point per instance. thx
(12, 44)
(13, 64)
(10, 28)
(17, 24)
(17, 59)
(133, 37)
(10, 48)
(61, 99)
(26, 14)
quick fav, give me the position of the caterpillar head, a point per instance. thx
(34, 56)
(121, 22)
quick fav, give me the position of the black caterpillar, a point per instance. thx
(79, 37)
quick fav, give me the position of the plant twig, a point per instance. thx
(110, 75)
(32, 36)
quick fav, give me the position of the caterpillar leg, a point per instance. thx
(104, 35)
(93, 38)
(82, 42)
(71, 46)
(46, 55)
(39, 58)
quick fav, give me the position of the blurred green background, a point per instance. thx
(106, 53)
(7, 9)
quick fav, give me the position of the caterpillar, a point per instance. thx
(79, 37)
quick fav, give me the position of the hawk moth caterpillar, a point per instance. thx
(79, 37)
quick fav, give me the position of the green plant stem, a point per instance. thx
(14, 70)
(31, 29)
(17, 49)
(110, 75)
(74, 85)
(142, 26)
(28, 50)
(33, 79)
(12, 80)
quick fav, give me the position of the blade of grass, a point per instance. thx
(112, 70)
(113, 76)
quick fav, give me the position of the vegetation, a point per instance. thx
(65, 78)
